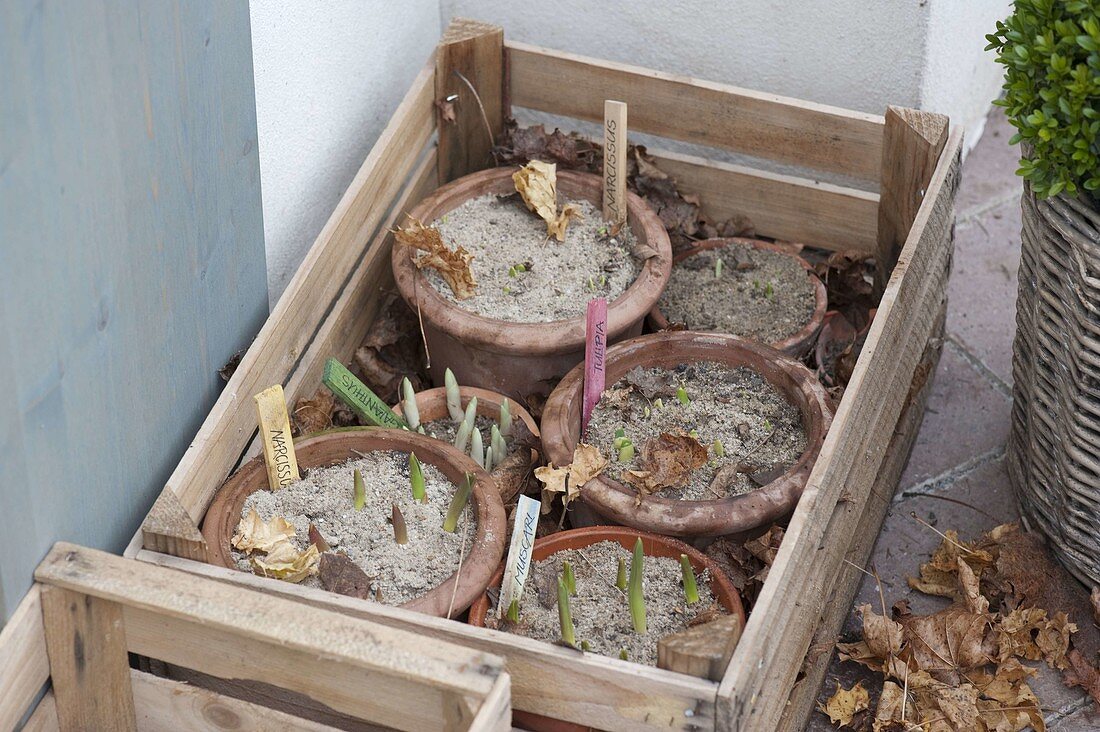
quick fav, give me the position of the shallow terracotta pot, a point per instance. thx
(796, 344)
(653, 546)
(520, 359)
(432, 405)
(614, 502)
(330, 448)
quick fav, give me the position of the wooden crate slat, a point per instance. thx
(227, 429)
(89, 668)
(780, 206)
(789, 607)
(24, 665)
(871, 515)
(469, 51)
(767, 126)
(369, 671)
(164, 704)
(911, 147)
(585, 688)
(496, 710)
(44, 718)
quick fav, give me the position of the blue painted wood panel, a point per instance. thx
(131, 256)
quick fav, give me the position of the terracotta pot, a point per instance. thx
(432, 405)
(796, 344)
(614, 502)
(520, 359)
(330, 448)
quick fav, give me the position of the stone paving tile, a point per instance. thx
(981, 304)
(989, 173)
(1083, 720)
(904, 544)
(967, 417)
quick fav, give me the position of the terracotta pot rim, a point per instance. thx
(487, 547)
(675, 517)
(795, 344)
(506, 337)
(721, 586)
(427, 400)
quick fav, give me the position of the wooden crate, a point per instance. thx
(910, 157)
(89, 610)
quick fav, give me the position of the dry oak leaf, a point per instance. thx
(668, 461)
(845, 704)
(256, 535)
(454, 266)
(285, 562)
(537, 185)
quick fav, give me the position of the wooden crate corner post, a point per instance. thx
(169, 529)
(912, 141)
(469, 92)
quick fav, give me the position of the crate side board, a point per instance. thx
(763, 125)
(846, 584)
(302, 308)
(24, 664)
(790, 605)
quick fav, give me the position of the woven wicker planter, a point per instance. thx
(1054, 448)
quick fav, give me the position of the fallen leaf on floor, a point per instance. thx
(339, 574)
(521, 145)
(949, 641)
(668, 461)
(313, 414)
(256, 535)
(285, 562)
(1083, 673)
(766, 546)
(893, 714)
(536, 184)
(843, 705)
(453, 265)
(318, 540)
(939, 575)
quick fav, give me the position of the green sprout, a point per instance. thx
(691, 590)
(565, 618)
(497, 445)
(634, 593)
(454, 396)
(645, 412)
(408, 404)
(591, 284)
(569, 577)
(466, 429)
(462, 437)
(694, 433)
(620, 578)
(513, 610)
(416, 479)
(768, 291)
(586, 646)
(603, 280)
(767, 425)
(360, 495)
(602, 231)
(718, 448)
(512, 271)
(458, 502)
(505, 418)
(477, 449)
(626, 452)
(682, 395)
(400, 530)
(718, 267)
(658, 403)
(622, 655)
(507, 290)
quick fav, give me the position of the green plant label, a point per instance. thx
(358, 397)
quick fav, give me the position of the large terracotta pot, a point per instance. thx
(521, 359)
(615, 502)
(330, 448)
(796, 344)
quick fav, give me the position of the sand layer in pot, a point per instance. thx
(760, 431)
(559, 278)
(759, 294)
(601, 614)
(324, 497)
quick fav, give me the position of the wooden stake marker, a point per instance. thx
(519, 552)
(282, 465)
(595, 353)
(614, 162)
(359, 398)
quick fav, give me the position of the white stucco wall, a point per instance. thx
(328, 77)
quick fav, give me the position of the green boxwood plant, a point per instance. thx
(1051, 53)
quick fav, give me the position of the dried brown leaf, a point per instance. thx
(536, 184)
(554, 481)
(313, 414)
(256, 535)
(339, 574)
(668, 461)
(514, 472)
(453, 265)
(285, 562)
(949, 641)
(650, 384)
(588, 462)
(1083, 673)
(766, 546)
(844, 704)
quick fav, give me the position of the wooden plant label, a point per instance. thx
(282, 465)
(595, 351)
(614, 162)
(358, 397)
(519, 552)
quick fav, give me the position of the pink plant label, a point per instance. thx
(595, 352)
